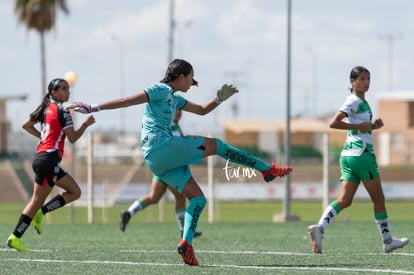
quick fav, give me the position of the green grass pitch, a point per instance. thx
(243, 241)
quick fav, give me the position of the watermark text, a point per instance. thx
(235, 172)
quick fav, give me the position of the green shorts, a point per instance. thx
(357, 169)
(156, 178)
(170, 162)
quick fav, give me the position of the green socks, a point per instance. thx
(192, 214)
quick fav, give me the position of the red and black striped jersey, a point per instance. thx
(57, 118)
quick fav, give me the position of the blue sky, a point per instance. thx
(236, 41)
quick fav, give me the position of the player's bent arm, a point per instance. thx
(338, 123)
(135, 99)
(200, 109)
(28, 125)
(73, 135)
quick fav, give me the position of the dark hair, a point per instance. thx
(38, 114)
(356, 71)
(176, 68)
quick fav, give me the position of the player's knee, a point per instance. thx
(76, 193)
(180, 200)
(152, 199)
(200, 201)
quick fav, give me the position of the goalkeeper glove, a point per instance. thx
(225, 92)
(83, 108)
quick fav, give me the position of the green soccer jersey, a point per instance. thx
(357, 111)
(158, 115)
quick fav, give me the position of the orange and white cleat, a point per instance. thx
(276, 171)
(187, 253)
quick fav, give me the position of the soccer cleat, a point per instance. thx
(16, 243)
(394, 244)
(187, 253)
(125, 216)
(37, 221)
(196, 234)
(276, 171)
(316, 234)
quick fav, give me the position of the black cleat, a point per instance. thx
(125, 216)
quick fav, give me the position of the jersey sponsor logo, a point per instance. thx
(240, 158)
(67, 117)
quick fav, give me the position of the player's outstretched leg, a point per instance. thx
(235, 155)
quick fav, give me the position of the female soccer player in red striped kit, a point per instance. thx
(56, 124)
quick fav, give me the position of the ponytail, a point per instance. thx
(38, 115)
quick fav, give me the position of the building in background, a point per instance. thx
(4, 123)
(395, 141)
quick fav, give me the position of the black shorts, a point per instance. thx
(47, 169)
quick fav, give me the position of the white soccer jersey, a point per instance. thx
(357, 111)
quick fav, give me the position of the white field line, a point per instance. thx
(6, 249)
(246, 252)
(241, 267)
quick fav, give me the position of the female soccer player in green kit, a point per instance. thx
(169, 156)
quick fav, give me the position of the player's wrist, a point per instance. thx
(95, 108)
(217, 100)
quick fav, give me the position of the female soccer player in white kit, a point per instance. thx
(358, 163)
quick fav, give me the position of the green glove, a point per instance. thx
(226, 91)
